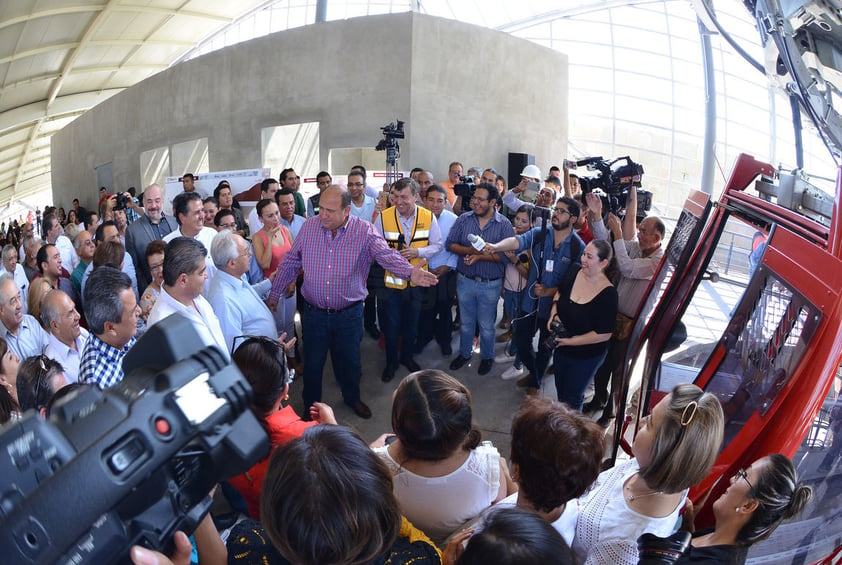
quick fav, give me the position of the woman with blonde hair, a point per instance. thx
(675, 448)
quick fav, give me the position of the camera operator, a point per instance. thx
(637, 261)
(554, 250)
(488, 176)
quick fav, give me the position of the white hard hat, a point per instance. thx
(531, 171)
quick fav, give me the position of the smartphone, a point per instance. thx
(531, 191)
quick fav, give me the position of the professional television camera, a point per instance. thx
(615, 178)
(466, 187)
(129, 465)
(392, 132)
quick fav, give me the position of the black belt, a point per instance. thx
(480, 279)
(333, 310)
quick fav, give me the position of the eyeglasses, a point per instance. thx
(561, 210)
(271, 342)
(156, 266)
(741, 473)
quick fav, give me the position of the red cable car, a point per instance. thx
(747, 304)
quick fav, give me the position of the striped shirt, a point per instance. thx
(496, 229)
(336, 268)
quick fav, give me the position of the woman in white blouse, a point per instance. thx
(442, 475)
(675, 448)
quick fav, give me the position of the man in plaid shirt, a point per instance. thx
(111, 311)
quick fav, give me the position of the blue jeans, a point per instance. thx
(523, 330)
(340, 333)
(573, 375)
(398, 312)
(511, 306)
(477, 304)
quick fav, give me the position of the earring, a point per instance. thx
(736, 509)
(286, 397)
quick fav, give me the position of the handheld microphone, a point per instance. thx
(476, 241)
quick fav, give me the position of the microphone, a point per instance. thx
(401, 241)
(476, 241)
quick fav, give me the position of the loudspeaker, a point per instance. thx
(517, 161)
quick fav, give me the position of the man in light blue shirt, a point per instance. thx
(362, 205)
(23, 334)
(235, 302)
(437, 309)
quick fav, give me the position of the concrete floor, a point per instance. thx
(495, 401)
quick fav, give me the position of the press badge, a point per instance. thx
(548, 267)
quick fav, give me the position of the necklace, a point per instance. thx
(632, 497)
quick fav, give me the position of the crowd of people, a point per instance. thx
(398, 262)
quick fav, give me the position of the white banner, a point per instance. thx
(246, 181)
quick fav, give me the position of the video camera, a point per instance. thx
(465, 189)
(122, 201)
(615, 180)
(132, 464)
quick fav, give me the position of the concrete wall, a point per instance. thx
(466, 93)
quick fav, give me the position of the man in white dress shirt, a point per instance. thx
(67, 337)
(185, 274)
(53, 234)
(189, 212)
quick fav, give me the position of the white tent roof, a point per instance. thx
(59, 58)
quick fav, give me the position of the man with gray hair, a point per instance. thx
(30, 246)
(84, 245)
(11, 266)
(23, 334)
(185, 274)
(111, 311)
(235, 302)
(67, 337)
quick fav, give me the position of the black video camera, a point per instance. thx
(466, 187)
(557, 329)
(122, 201)
(541, 213)
(130, 465)
(615, 178)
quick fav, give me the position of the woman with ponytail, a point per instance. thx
(443, 475)
(759, 498)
